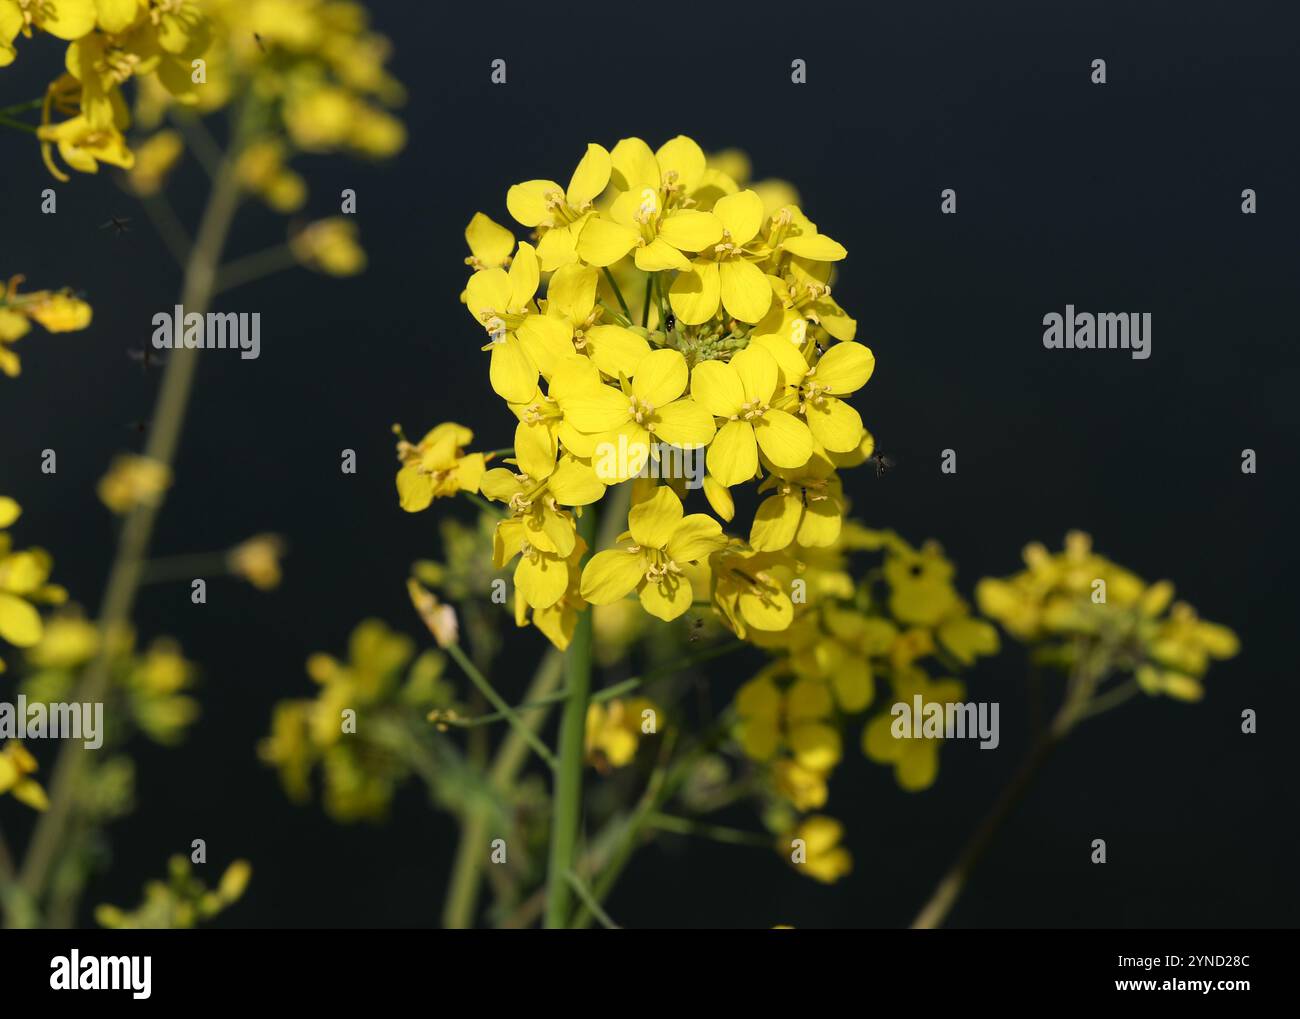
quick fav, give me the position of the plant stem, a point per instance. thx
(566, 810)
(645, 309)
(1089, 671)
(941, 901)
(618, 293)
(495, 699)
(589, 900)
(133, 541)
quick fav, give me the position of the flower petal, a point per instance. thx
(733, 454)
(694, 295)
(785, 440)
(611, 575)
(745, 291)
(653, 521)
(661, 377)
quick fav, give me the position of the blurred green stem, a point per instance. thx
(566, 807)
(133, 540)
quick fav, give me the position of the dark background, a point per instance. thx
(1117, 197)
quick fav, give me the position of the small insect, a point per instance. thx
(696, 625)
(147, 356)
(137, 426)
(670, 323)
(260, 45)
(120, 224)
(882, 463)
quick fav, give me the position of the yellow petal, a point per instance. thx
(776, 522)
(834, 424)
(488, 241)
(575, 484)
(820, 525)
(9, 511)
(594, 408)
(758, 374)
(614, 350)
(659, 255)
(525, 274)
(784, 439)
(414, 488)
(653, 521)
(733, 454)
(528, 202)
(818, 247)
(603, 242)
(633, 165)
(845, 368)
(741, 214)
(590, 178)
(719, 497)
(511, 371)
(716, 386)
(661, 377)
(611, 575)
(667, 598)
(535, 450)
(690, 230)
(684, 157)
(694, 295)
(20, 624)
(572, 291)
(542, 580)
(547, 340)
(745, 291)
(696, 537)
(685, 424)
(488, 293)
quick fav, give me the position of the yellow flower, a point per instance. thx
(437, 467)
(841, 371)
(24, 577)
(537, 502)
(134, 481)
(84, 141)
(521, 339)
(649, 216)
(16, 764)
(261, 169)
(558, 620)
(257, 560)
(887, 740)
(614, 731)
(726, 273)
(61, 313)
(649, 556)
(571, 297)
(806, 508)
(743, 391)
(329, 246)
(626, 421)
(559, 215)
(824, 859)
(490, 244)
(68, 641)
(751, 589)
(64, 19)
(155, 158)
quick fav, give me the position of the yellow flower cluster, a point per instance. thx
(846, 638)
(24, 584)
(362, 771)
(739, 358)
(1077, 595)
(181, 901)
(313, 64)
(58, 311)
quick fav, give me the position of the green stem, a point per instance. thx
(717, 832)
(645, 309)
(133, 542)
(589, 900)
(566, 813)
(618, 293)
(17, 125)
(496, 700)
